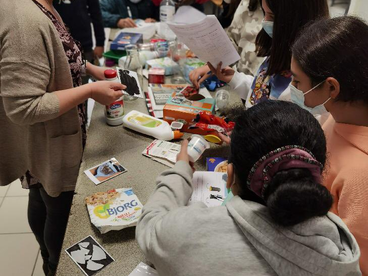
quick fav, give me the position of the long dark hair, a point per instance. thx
(293, 195)
(336, 48)
(289, 17)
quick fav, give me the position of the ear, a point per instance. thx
(230, 176)
(333, 86)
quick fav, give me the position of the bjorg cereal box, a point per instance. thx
(114, 210)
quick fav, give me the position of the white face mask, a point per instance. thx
(298, 97)
(268, 27)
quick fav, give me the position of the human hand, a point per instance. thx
(150, 20)
(199, 75)
(94, 71)
(98, 51)
(226, 74)
(183, 154)
(106, 92)
(126, 23)
(225, 138)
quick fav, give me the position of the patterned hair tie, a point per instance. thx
(284, 158)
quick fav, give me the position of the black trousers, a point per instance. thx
(48, 217)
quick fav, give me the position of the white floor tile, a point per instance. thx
(3, 190)
(18, 254)
(13, 215)
(38, 268)
(16, 189)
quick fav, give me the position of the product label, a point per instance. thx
(114, 210)
(144, 121)
(115, 110)
(167, 13)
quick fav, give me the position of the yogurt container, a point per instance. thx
(197, 145)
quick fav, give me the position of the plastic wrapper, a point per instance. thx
(114, 210)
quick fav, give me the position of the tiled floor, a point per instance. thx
(19, 250)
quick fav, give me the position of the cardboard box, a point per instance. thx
(124, 39)
(183, 110)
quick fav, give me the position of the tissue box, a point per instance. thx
(183, 110)
(123, 39)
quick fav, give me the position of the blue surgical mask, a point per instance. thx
(298, 97)
(268, 27)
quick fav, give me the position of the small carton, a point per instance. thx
(185, 111)
(124, 39)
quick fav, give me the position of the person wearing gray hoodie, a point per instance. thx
(277, 223)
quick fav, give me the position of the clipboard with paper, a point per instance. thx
(206, 38)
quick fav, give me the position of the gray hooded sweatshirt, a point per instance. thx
(237, 239)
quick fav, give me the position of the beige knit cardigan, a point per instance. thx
(33, 136)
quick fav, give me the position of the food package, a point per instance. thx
(114, 210)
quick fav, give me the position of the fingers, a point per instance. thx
(184, 147)
(118, 86)
(206, 76)
(130, 23)
(224, 138)
(183, 154)
(213, 70)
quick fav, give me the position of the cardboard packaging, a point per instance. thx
(124, 39)
(183, 110)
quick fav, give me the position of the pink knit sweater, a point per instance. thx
(347, 179)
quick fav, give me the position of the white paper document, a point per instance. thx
(209, 188)
(163, 152)
(208, 40)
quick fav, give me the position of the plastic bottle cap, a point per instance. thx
(178, 134)
(110, 74)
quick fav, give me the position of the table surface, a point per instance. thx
(126, 146)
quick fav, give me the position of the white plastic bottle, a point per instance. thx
(167, 10)
(151, 126)
(114, 112)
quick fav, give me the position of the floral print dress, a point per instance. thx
(73, 53)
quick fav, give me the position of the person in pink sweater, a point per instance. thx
(330, 73)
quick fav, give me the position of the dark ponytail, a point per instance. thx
(293, 196)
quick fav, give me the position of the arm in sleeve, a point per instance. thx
(111, 12)
(352, 208)
(96, 18)
(174, 189)
(241, 84)
(25, 76)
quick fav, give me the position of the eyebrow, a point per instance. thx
(295, 75)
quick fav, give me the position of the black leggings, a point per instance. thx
(48, 217)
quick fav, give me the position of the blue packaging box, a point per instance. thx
(124, 39)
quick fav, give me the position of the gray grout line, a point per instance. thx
(1, 203)
(18, 233)
(34, 266)
(17, 196)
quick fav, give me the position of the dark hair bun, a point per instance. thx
(293, 196)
